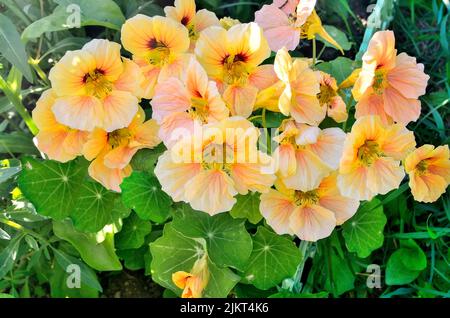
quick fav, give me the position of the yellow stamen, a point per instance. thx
(235, 69)
(326, 94)
(379, 81)
(159, 53)
(96, 84)
(422, 167)
(199, 109)
(306, 198)
(119, 137)
(369, 152)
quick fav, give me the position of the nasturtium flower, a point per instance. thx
(208, 169)
(232, 58)
(389, 85)
(184, 12)
(186, 101)
(306, 154)
(159, 46)
(330, 98)
(194, 282)
(370, 164)
(429, 172)
(299, 97)
(310, 215)
(282, 22)
(95, 87)
(111, 152)
(57, 141)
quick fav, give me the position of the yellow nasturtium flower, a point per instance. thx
(194, 282)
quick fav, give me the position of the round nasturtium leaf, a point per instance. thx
(142, 193)
(227, 240)
(133, 233)
(247, 207)
(363, 232)
(273, 259)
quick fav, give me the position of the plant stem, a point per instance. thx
(304, 250)
(314, 47)
(20, 108)
(19, 227)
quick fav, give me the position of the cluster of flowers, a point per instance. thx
(206, 74)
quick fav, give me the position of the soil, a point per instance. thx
(130, 284)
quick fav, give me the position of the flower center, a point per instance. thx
(119, 137)
(199, 109)
(369, 152)
(159, 53)
(422, 167)
(379, 81)
(96, 84)
(326, 94)
(218, 157)
(235, 69)
(306, 198)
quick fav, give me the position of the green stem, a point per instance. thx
(304, 250)
(17, 102)
(19, 227)
(39, 71)
(314, 47)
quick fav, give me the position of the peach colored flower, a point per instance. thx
(194, 282)
(330, 98)
(232, 58)
(389, 85)
(210, 168)
(370, 164)
(299, 98)
(57, 141)
(111, 152)
(306, 154)
(159, 46)
(95, 87)
(184, 12)
(182, 102)
(429, 172)
(311, 215)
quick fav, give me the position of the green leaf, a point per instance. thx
(133, 233)
(97, 250)
(87, 276)
(287, 294)
(228, 242)
(134, 258)
(338, 36)
(9, 254)
(363, 232)
(175, 252)
(3, 295)
(145, 159)
(340, 278)
(247, 207)
(12, 48)
(52, 186)
(405, 264)
(104, 13)
(340, 68)
(142, 193)
(95, 207)
(7, 170)
(273, 259)
(4, 235)
(17, 142)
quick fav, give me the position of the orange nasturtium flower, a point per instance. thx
(311, 215)
(232, 58)
(186, 101)
(307, 154)
(159, 46)
(95, 87)
(194, 282)
(111, 152)
(330, 98)
(370, 164)
(299, 97)
(429, 172)
(184, 12)
(209, 168)
(389, 85)
(57, 141)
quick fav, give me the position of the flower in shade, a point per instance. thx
(159, 46)
(429, 172)
(232, 58)
(95, 87)
(370, 164)
(311, 215)
(299, 97)
(208, 169)
(306, 154)
(389, 85)
(111, 152)
(286, 22)
(194, 282)
(57, 141)
(184, 12)
(330, 98)
(182, 102)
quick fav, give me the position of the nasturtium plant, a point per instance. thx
(282, 149)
